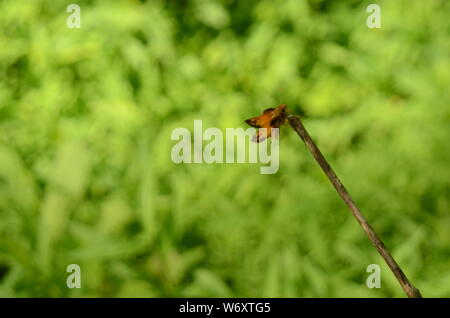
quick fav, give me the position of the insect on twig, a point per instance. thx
(274, 118)
(271, 118)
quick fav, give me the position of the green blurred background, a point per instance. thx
(86, 175)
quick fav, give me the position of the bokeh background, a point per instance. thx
(86, 175)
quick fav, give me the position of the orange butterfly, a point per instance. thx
(271, 118)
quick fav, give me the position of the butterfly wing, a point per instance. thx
(263, 133)
(255, 121)
(271, 117)
(268, 111)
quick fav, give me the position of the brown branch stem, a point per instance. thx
(407, 286)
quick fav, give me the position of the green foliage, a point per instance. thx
(86, 176)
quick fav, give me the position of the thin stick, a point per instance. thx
(409, 289)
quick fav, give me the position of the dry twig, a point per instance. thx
(409, 289)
